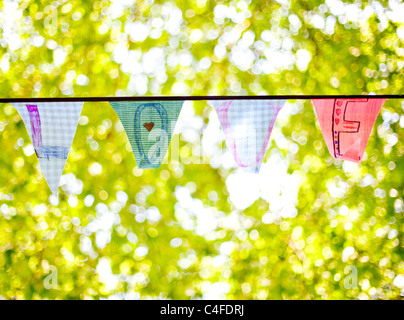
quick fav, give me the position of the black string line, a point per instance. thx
(197, 98)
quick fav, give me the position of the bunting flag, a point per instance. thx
(51, 127)
(346, 124)
(247, 126)
(149, 127)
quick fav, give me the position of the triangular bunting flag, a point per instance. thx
(51, 127)
(149, 127)
(346, 124)
(247, 126)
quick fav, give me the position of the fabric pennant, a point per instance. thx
(247, 126)
(51, 127)
(346, 125)
(149, 127)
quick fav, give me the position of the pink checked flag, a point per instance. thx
(346, 125)
(247, 126)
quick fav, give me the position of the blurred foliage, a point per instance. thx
(112, 215)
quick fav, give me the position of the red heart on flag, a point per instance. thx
(338, 112)
(149, 126)
(336, 121)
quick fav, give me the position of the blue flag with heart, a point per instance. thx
(149, 127)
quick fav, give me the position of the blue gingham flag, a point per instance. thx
(51, 127)
(247, 126)
(149, 127)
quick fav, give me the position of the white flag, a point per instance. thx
(51, 127)
(247, 125)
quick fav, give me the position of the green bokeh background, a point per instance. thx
(71, 48)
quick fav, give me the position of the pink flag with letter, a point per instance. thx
(346, 124)
(247, 126)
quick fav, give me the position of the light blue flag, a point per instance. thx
(149, 127)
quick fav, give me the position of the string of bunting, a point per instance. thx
(247, 121)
